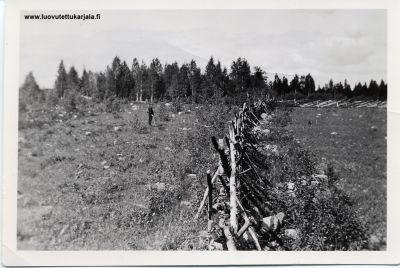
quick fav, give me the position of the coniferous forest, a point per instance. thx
(138, 81)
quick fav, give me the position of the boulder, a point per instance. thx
(117, 128)
(159, 186)
(321, 177)
(264, 116)
(291, 186)
(373, 242)
(292, 233)
(266, 131)
(272, 223)
(215, 246)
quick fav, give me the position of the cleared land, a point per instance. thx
(108, 181)
(354, 141)
(97, 180)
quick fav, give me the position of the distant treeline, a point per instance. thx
(187, 82)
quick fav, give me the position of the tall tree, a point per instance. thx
(111, 83)
(194, 79)
(155, 75)
(294, 86)
(84, 83)
(73, 80)
(101, 82)
(257, 79)
(347, 89)
(61, 81)
(277, 85)
(30, 91)
(240, 75)
(284, 86)
(171, 73)
(137, 75)
(309, 84)
(383, 90)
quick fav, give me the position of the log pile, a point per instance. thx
(239, 215)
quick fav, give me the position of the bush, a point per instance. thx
(163, 112)
(69, 101)
(113, 104)
(52, 98)
(321, 212)
(177, 105)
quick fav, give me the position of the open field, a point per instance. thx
(354, 141)
(96, 180)
(103, 180)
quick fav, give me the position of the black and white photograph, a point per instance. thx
(246, 129)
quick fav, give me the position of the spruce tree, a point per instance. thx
(61, 81)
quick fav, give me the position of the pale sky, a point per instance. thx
(335, 44)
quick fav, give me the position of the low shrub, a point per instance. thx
(163, 112)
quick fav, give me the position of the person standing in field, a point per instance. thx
(151, 113)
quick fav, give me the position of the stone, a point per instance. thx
(321, 177)
(322, 168)
(186, 204)
(159, 186)
(264, 116)
(374, 242)
(291, 186)
(88, 133)
(215, 246)
(117, 128)
(266, 131)
(272, 223)
(333, 133)
(292, 233)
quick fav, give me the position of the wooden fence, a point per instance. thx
(240, 201)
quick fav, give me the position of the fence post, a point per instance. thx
(232, 181)
(210, 188)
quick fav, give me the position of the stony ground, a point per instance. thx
(89, 181)
(354, 141)
(97, 180)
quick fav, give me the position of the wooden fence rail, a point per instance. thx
(228, 214)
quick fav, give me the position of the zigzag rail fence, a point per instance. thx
(239, 185)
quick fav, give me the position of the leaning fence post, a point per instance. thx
(209, 184)
(232, 181)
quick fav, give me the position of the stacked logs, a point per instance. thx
(241, 204)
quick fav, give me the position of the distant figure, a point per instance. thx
(151, 113)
